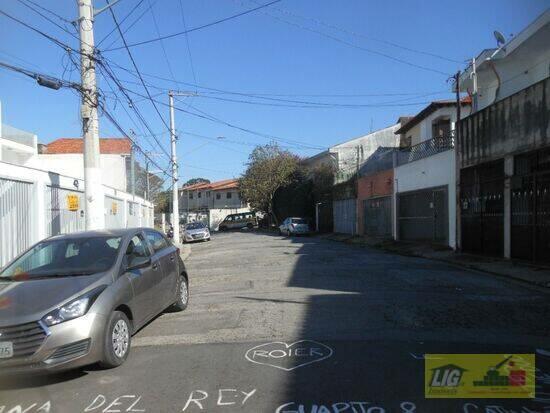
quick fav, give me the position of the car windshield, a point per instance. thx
(65, 256)
(299, 221)
(195, 225)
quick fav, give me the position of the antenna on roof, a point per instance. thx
(499, 37)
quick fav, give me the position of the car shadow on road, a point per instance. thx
(372, 316)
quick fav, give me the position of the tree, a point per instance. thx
(194, 181)
(162, 201)
(269, 168)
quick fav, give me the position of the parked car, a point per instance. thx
(294, 226)
(238, 221)
(76, 299)
(196, 231)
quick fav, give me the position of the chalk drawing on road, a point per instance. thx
(291, 356)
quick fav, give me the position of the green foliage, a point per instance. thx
(194, 181)
(269, 168)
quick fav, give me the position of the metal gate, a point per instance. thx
(423, 215)
(64, 211)
(15, 218)
(530, 220)
(377, 218)
(114, 213)
(324, 216)
(344, 212)
(482, 208)
(133, 215)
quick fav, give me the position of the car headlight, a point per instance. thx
(73, 309)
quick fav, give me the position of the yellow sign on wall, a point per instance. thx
(73, 202)
(114, 208)
(507, 376)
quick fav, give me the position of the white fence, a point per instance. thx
(344, 215)
(36, 204)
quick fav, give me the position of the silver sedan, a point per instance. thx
(76, 299)
(196, 231)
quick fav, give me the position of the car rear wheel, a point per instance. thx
(183, 295)
(117, 341)
(223, 228)
(249, 225)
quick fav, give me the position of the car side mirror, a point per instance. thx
(138, 262)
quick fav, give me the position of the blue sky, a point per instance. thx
(295, 50)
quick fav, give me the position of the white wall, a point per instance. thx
(113, 167)
(36, 212)
(210, 201)
(433, 171)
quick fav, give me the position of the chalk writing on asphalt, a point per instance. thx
(291, 356)
(201, 400)
(494, 408)
(124, 403)
(45, 407)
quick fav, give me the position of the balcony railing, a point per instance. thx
(425, 149)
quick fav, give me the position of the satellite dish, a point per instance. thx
(499, 37)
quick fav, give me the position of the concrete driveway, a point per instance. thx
(307, 325)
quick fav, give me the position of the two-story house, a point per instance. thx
(504, 148)
(211, 202)
(424, 177)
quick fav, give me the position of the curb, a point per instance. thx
(185, 251)
(454, 263)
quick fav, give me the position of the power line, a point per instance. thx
(136, 67)
(40, 32)
(169, 36)
(187, 41)
(161, 42)
(114, 29)
(24, 3)
(355, 46)
(110, 74)
(41, 78)
(360, 35)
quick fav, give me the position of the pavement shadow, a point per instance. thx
(372, 317)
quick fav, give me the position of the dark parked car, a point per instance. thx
(76, 299)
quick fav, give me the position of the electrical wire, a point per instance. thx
(360, 35)
(136, 67)
(169, 36)
(114, 29)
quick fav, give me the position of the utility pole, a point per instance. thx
(132, 173)
(93, 189)
(147, 196)
(458, 232)
(175, 203)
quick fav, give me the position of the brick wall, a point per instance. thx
(379, 184)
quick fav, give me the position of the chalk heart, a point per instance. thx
(285, 356)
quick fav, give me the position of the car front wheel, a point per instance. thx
(117, 341)
(183, 295)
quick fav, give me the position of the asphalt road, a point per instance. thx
(310, 326)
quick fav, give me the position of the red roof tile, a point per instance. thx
(76, 145)
(214, 186)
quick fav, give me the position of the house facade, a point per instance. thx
(17, 146)
(65, 157)
(504, 149)
(375, 194)
(211, 202)
(425, 175)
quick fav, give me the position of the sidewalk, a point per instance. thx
(531, 273)
(185, 251)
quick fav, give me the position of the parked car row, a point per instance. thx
(76, 299)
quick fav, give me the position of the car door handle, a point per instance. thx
(155, 267)
(172, 257)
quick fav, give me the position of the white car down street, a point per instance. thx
(196, 231)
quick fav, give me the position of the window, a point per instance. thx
(208, 194)
(156, 240)
(199, 195)
(229, 218)
(190, 195)
(229, 195)
(136, 249)
(218, 196)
